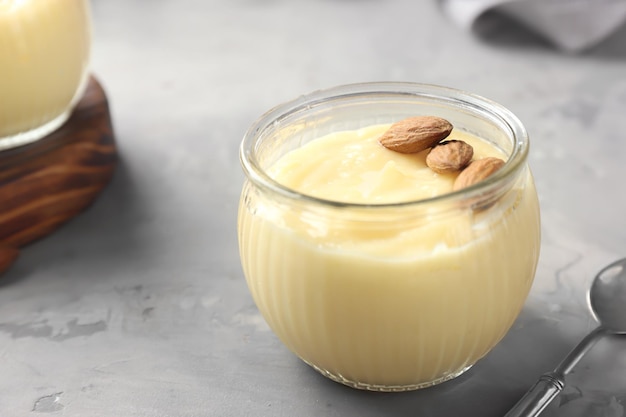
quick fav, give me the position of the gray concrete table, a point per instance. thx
(138, 307)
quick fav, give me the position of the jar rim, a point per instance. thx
(515, 162)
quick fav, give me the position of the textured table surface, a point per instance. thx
(138, 307)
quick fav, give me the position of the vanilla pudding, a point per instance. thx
(44, 54)
(368, 268)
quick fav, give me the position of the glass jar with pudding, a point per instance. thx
(367, 264)
(44, 56)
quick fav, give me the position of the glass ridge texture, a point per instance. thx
(396, 296)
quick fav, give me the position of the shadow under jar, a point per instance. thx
(394, 296)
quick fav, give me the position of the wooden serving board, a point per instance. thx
(48, 182)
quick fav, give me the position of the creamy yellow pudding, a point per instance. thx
(44, 54)
(394, 297)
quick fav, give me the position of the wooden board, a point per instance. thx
(48, 182)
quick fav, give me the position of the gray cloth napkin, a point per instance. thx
(571, 25)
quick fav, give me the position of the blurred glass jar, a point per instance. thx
(44, 58)
(388, 297)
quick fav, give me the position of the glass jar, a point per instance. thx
(44, 56)
(388, 297)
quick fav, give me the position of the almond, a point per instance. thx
(8, 254)
(477, 171)
(415, 134)
(449, 156)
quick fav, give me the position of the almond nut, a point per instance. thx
(449, 156)
(8, 254)
(477, 171)
(415, 134)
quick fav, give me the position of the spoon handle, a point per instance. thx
(538, 397)
(550, 384)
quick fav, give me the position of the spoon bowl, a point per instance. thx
(607, 297)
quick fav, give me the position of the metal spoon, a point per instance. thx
(607, 300)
